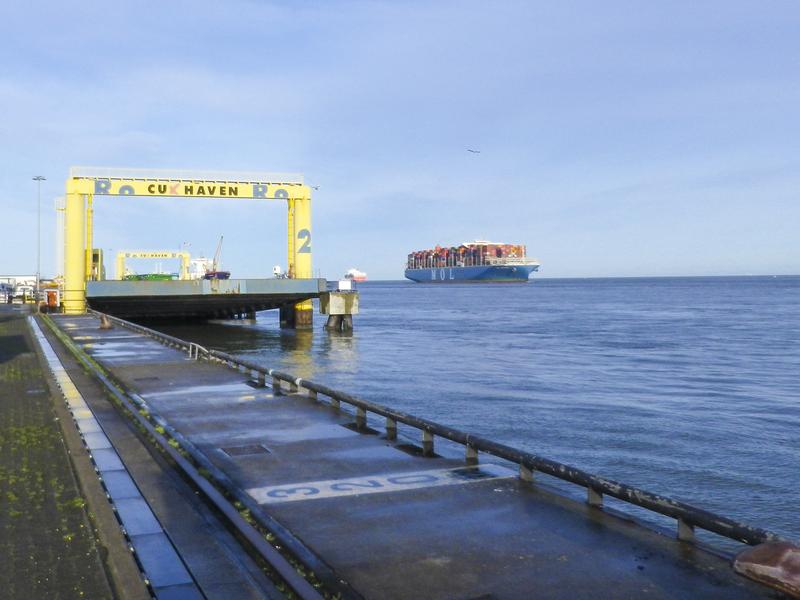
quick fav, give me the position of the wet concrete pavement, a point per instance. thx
(48, 544)
(219, 568)
(390, 522)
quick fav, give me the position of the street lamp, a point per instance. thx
(38, 179)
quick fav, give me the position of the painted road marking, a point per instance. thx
(377, 484)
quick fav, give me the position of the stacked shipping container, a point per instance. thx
(466, 255)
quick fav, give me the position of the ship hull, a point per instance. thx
(480, 274)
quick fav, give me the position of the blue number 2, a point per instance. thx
(304, 234)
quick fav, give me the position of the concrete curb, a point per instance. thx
(123, 572)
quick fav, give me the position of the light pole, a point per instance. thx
(38, 179)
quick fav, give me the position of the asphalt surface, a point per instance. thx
(390, 522)
(48, 548)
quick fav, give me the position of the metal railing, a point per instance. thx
(687, 517)
(151, 422)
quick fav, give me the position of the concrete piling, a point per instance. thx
(340, 308)
(334, 323)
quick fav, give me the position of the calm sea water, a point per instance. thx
(688, 387)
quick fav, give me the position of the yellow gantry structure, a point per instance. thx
(85, 184)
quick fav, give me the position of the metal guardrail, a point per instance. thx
(687, 516)
(136, 407)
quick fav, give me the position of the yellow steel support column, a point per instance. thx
(89, 238)
(301, 238)
(290, 238)
(300, 254)
(185, 259)
(74, 250)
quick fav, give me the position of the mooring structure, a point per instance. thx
(83, 263)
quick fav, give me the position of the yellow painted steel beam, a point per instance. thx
(119, 271)
(300, 255)
(89, 237)
(196, 189)
(185, 258)
(300, 238)
(290, 238)
(78, 226)
(74, 248)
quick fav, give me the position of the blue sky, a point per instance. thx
(616, 138)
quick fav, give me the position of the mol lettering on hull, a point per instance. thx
(442, 274)
(482, 274)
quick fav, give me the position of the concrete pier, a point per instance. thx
(204, 299)
(388, 516)
(182, 546)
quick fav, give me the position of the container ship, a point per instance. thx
(479, 261)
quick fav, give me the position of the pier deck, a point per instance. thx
(198, 299)
(389, 521)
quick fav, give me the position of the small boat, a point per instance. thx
(214, 272)
(355, 275)
(217, 275)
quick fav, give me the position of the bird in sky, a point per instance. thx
(473, 151)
